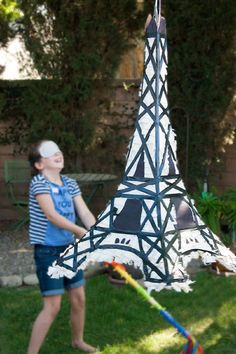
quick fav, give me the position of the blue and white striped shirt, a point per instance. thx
(38, 221)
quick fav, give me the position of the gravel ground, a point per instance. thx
(16, 254)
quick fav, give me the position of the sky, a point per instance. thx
(15, 62)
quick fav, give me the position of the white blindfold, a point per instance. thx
(48, 149)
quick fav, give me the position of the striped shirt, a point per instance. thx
(38, 221)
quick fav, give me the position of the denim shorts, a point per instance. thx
(44, 256)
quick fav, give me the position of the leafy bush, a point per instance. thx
(210, 207)
(229, 209)
(218, 212)
(9, 14)
(78, 46)
(201, 82)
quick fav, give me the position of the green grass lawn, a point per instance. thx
(118, 321)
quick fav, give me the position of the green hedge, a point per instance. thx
(201, 79)
(76, 47)
(80, 47)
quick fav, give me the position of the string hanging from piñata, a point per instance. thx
(150, 222)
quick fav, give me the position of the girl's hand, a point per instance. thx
(85, 215)
(81, 232)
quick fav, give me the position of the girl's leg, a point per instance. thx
(51, 307)
(77, 315)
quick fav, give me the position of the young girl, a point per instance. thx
(53, 202)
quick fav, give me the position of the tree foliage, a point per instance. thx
(9, 14)
(201, 79)
(77, 45)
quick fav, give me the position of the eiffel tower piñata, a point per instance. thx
(150, 222)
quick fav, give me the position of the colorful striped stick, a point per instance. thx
(192, 346)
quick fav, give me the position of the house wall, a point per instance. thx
(226, 177)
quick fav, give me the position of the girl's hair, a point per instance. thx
(34, 155)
